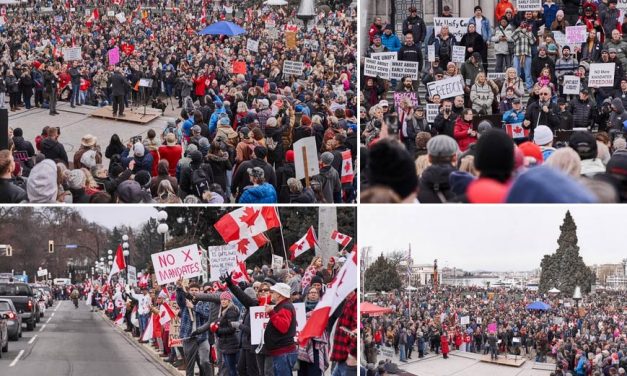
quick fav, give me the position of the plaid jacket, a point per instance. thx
(201, 312)
(523, 40)
(342, 342)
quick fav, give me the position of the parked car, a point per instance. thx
(14, 320)
(4, 336)
(23, 298)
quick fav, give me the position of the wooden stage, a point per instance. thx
(132, 115)
(505, 360)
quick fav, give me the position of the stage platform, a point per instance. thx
(505, 360)
(132, 115)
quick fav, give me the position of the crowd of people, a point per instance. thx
(240, 114)
(584, 338)
(211, 327)
(575, 137)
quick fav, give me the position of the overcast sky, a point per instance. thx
(111, 216)
(491, 237)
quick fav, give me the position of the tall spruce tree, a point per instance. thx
(381, 276)
(565, 269)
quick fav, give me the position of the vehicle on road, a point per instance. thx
(40, 298)
(23, 298)
(4, 336)
(14, 320)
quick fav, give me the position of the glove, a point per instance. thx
(227, 279)
(214, 327)
(194, 333)
(236, 324)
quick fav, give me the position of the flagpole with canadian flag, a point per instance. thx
(282, 238)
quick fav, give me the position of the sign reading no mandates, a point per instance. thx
(183, 262)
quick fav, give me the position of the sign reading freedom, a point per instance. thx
(177, 263)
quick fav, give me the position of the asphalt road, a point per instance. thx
(71, 341)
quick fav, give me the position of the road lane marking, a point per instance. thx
(42, 328)
(52, 315)
(32, 339)
(47, 321)
(58, 305)
(17, 358)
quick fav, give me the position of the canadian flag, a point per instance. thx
(247, 221)
(149, 331)
(239, 273)
(118, 263)
(347, 168)
(304, 244)
(337, 291)
(165, 313)
(203, 19)
(516, 130)
(119, 320)
(164, 294)
(247, 246)
(342, 239)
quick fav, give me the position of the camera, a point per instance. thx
(136, 139)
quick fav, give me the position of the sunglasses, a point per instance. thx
(264, 290)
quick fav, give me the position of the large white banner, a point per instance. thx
(447, 88)
(183, 262)
(457, 26)
(259, 319)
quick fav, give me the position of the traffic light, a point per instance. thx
(50, 246)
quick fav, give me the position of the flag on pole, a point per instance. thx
(203, 18)
(164, 294)
(247, 246)
(165, 313)
(149, 331)
(247, 221)
(118, 263)
(119, 319)
(304, 244)
(340, 238)
(341, 286)
(240, 274)
(347, 168)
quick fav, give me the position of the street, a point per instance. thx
(71, 341)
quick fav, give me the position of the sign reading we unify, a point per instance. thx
(457, 26)
(183, 262)
(259, 319)
(384, 55)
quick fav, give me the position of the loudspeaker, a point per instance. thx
(4, 129)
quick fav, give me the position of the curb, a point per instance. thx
(146, 349)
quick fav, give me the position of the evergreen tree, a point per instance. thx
(381, 276)
(565, 269)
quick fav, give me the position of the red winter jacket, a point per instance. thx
(461, 134)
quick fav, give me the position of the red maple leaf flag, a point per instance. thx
(342, 239)
(304, 244)
(347, 168)
(239, 273)
(337, 291)
(119, 263)
(516, 130)
(149, 331)
(246, 222)
(247, 246)
(165, 313)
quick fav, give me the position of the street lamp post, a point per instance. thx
(163, 228)
(126, 254)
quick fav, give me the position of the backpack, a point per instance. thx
(200, 183)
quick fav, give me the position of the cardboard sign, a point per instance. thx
(459, 53)
(447, 88)
(222, 260)
(576, 34)
(402, 69)
(259, 319)
(433, 110)
(431, 52)
(528, 5)
(305, 149)
(174, 339)
(121, 17)
(399, 96)
(572, 85)
(457, 26)
(252, 45)
(239, 67)
(464, 320)
(387, 352)
(72, 53)
(601, 75)
(384, 56)
(183, 262)
(114, 56)
(277, 262)
(293, 67)
(376, 68)
(132, 275)
(290, 40)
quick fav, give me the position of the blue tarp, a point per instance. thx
(222, 28)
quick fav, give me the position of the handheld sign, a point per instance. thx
(252, 45)
(402, 69)
(121, 17)
(431, 52)
(576, 34)
(457, 26)
(293, 68)
(277, 262)
(572, 85)
(377, 68)
(432, 112)
(384, 56)
(528, 5)
(459, 52)
(132, 275)
(222, 260)
(183, 262)
(114, 56)
(401, 95)
(259, 319)
(42, 273)
(72, 53)
(447, 88)
(306, 158)
(601, 75)
(464, 320)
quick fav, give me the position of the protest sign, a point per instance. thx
(270, 24)
(528, 5)
(457, 26)
(204, 256)
(402, 69)
(306, 157)
(293, 67)
(384, 56)
(576, 34)
(239, 67)
(252, 45)
(273, 34)
(447, 88)
(170, 265)
(121, 17)
(496, 76)
(72, 53)
(376, 68)
(601, 75)
(290, 40)
(311, 44)
(87, 12)
(387, 352)
(110, 13)
(492, 327)
(259, 319)
(401, 95)
(431, 52)
(479, 321)
(571, 85)
(277, 262)
(42, 273)
(175, 327)
(58, 19)
(464, 320)
(432, 112)
(222, 260)
(132, 275)
(114, 56)
(459, 54)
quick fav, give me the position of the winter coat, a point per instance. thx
(391, 42)
(444, 344)
(461, 134)
(185, 183)
(444, 126)
(283, 173)
(54, 150)
(583, 113)
(621, 49)
(477, 43)
(469, 71)
(241, 178)
(330, 181)
(141, 163)
(418, 28)
(258, 194)
(538, 64)
(481, 97)
(226, 333)
(172, 154)
(434, 184)
(501, 47)
(220, 164)
(11, 193)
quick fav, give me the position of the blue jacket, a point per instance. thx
(260, 194)
(511, 117)
(485, 30)
(391, 42)
(186, 128)
(213, 120)
(141, 163)
(550, 13)
(201, 312)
